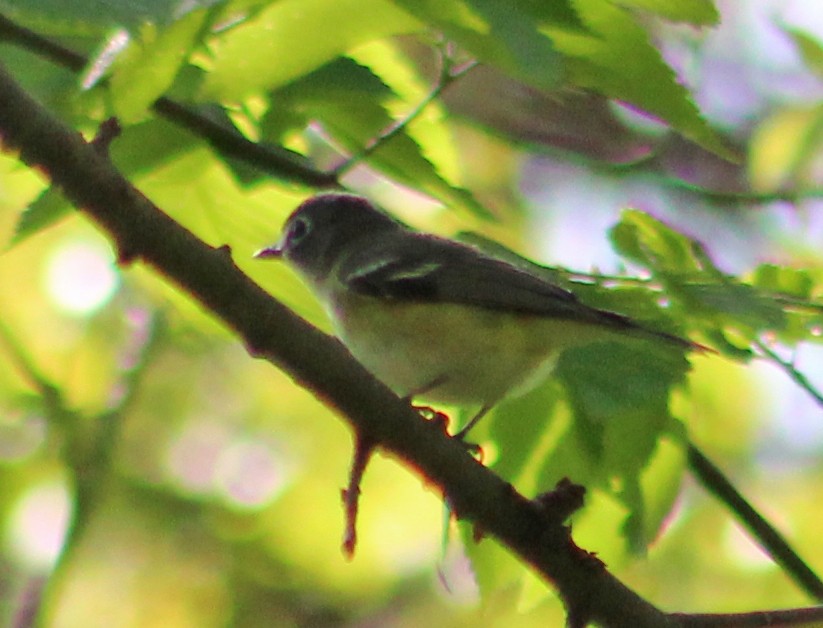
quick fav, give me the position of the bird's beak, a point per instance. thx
(271, 252)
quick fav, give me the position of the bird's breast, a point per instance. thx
(476, 356)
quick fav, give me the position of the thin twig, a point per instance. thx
(769, 538)
(41, 46)
(748, 196)
(55, 406)
(446, 78)
(363, 450)
(794, 302)
(790, 370)
(275, 160)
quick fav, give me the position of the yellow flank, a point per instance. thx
(476, 356)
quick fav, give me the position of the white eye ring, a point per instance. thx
(299, 229)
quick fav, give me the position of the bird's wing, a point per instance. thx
(437, 270)
(432, 269)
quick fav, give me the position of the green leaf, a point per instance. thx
(725, 345)
(634, 525)
(143, 147)
(518, 427)
(495, 570)
(784, 149)
(49, 208)
(696, 12)
(618, 60)
(506, 35)
(642, 304)
(557, 12)
(690, 276)
(529, 54)
(82, 16)
(619, 393)
(810, 49)
(619, 396)
(280, 119)
(735, 304)
(348, 99)
(55, 89)
(571, 458)
(340, 79)
(401, 158)
(660, 481)
(783, 280)
(294, 37)
(651, 243)
(148, 67)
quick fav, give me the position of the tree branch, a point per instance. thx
(316, 361)
(141, 231)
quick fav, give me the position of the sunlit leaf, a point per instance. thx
(49, 208)
(695, 12)
(348, 100)
(426, 119)
(735, 304)
(783, 280)
(619, 60)
(503, 34)
(810, 47)
(81, 16)
(147, 68)
(293, 37)
(619, 395)
(784, 148)
(651, 243)
(518, 427)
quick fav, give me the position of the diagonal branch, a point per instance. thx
(141, 231)
(767, 535)
(318, 362)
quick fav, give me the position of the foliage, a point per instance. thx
(163, 439)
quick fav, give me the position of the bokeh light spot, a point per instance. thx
(80, 277)
(38, 524)
(251, 474)
(192, 457)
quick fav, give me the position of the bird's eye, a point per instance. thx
(298, 230)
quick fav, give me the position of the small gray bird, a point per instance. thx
(436, 318)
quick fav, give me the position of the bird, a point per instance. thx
(435, 318)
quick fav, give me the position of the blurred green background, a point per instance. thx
(207, 484)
